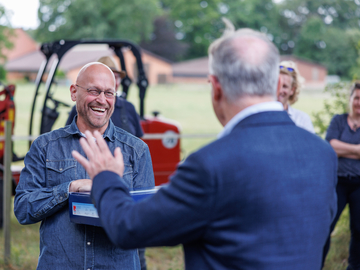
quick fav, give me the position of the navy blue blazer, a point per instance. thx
(262, 197)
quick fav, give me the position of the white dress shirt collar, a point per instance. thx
(257, 108)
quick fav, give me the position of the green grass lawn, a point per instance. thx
(190, 106)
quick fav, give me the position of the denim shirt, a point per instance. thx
(43, 191)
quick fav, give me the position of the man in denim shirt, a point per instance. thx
(51, 172)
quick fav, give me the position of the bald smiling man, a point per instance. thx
(51, 172)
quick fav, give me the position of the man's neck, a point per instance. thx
(83, 128)
(233, 108)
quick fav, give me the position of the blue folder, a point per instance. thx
(83, 211)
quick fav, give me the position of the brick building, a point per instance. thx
(25, 59)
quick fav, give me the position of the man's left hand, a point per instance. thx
(99, 156)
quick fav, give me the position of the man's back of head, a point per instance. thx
(245, 62)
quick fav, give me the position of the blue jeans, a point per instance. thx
(348, 192)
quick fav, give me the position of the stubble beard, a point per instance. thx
(93, 123)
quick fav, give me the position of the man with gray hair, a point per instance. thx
(233, 204)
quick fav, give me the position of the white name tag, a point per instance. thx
(84, 209)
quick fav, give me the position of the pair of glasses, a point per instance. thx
(96, 92)
(287, 68)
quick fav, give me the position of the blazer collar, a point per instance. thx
(267, 118)
(257, 108)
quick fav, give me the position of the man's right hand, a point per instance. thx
(80, 185)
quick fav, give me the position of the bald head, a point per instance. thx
(94, 94)
(245, 63)
(250, 49)
(91, 69)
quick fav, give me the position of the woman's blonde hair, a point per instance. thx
(298, 80)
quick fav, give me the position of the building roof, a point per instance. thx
(299, 59)
(157, 56)
(199, 67)
(74, 58)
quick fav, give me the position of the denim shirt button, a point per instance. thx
(61, 198)
(88, 243)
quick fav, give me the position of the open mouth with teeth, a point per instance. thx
(98, 109)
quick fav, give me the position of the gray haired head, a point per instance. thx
(245, 62)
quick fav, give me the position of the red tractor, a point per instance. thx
(7, 113)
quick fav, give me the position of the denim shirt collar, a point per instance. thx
(108, 134)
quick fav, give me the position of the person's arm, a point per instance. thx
(34, 200)
(178, 212)
(134, 118)
(139, 131)
(333, 135)
(346, 150)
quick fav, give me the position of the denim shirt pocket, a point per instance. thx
(60, 171)
(128, 171)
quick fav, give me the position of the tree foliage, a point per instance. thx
(197, 23)
(78, 19)
(309, 29)
(324, 31)
(163, 40)
(6, 32)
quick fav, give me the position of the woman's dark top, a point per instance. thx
(340, 130)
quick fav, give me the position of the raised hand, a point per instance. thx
(99, 157)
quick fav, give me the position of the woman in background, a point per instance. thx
(344, 136)
(288, 94)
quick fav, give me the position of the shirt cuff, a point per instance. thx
(61, 192)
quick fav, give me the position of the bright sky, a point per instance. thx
(22, 13)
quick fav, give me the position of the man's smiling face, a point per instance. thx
(94, 112)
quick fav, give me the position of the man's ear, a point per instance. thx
(73, 92)
(217, 92)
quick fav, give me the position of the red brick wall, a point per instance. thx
(23, 44)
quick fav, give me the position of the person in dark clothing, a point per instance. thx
(344, 136)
